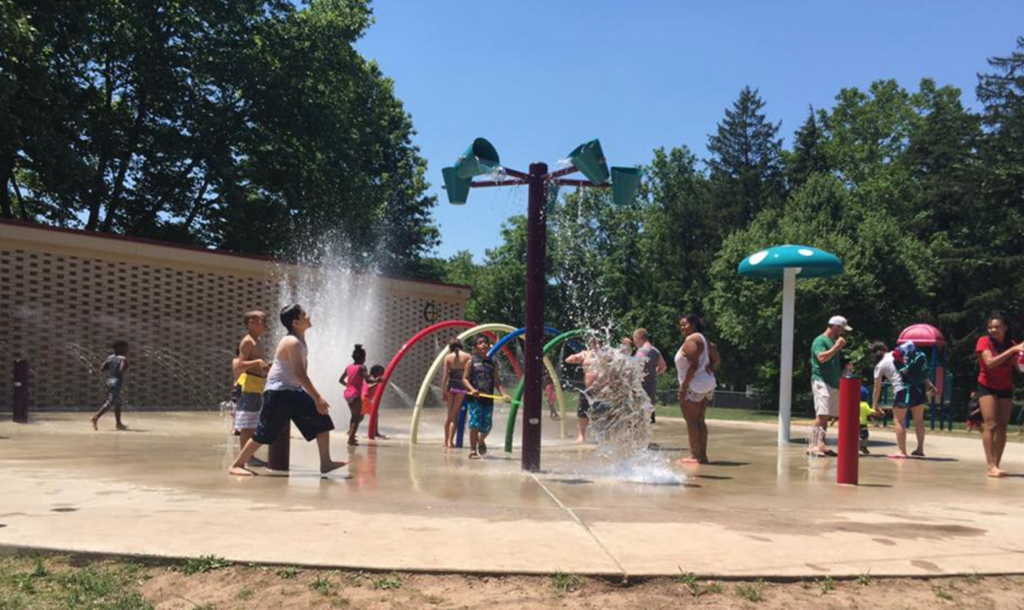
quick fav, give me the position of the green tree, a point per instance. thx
(746, 161)
(887, 282)
(808, 155)
(249, 125)
(681, 238)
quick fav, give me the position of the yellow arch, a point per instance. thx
(421, 397)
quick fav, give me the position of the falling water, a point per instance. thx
(344, 308)
(620, 411)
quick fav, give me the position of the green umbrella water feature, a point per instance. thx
(787, 263)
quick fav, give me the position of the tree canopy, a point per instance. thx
(920, 197)
(250, 125)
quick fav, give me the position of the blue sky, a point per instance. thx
(537, 78)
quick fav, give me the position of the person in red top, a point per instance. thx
(996, 356)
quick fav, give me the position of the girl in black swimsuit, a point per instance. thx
(454, 364)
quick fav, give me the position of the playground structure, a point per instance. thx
(439, 361)
(940, 406)
(481, 158)
(469, 329)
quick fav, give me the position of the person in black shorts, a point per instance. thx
(290, 395)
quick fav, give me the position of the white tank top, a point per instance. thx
(702, 381)
(282, 374)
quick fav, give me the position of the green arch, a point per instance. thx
(517, 398)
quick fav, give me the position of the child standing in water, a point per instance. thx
(454, 365)
(115, 366)
(354, 378)
(371, 388)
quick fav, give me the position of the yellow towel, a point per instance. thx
(251, 384)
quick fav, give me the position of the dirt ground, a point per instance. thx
(211, 584)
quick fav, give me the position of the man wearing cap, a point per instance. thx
(825, 371)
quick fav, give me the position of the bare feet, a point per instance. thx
(239, 471)
(329, 466)
(688, 461)
(95, 428)
(997, 473)
(897, 456)
(473, 455)
(481, 448)
(121, 427)
(918, 453)
(579, 438)
(353, 442)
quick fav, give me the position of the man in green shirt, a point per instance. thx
(825, 371)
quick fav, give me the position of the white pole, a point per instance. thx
(786, 364)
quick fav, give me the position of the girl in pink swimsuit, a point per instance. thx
(354, 377)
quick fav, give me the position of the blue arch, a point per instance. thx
(516, 333)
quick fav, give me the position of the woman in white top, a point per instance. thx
(695, 364)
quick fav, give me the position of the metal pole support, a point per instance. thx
(20, 391)
(536, 253)
(279, 452)
(849, 430)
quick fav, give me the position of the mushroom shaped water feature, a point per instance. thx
(788, 263)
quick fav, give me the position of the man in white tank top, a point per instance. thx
(290, 395)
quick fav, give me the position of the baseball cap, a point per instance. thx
(839, 321)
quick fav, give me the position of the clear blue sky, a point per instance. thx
(537, 78)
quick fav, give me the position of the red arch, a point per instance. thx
(375, 406)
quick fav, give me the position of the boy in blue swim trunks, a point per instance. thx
(481, 377)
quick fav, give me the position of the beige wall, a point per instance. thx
(66, 295)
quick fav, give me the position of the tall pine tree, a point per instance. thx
(808, 155)
(746, 163)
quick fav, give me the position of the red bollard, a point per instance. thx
(21, 391)
(849, 430)
(279, 452)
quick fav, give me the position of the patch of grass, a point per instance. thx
(973, 579)
(288, 572)
(752, 592)
(322, 585)
(244, 593)
(864, 579)
(693, 585)
(387, 582)
(566, 583)
(203, 564)
(210, 606)
(42, 584)
(356, 578)
(942, 593)
(827, 585)
(39, 568)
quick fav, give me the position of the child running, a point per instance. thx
(354, 378)
(115, 366)
(290, 394)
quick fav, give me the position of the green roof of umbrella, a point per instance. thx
(772, 262)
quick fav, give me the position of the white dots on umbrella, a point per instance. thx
(757, 257)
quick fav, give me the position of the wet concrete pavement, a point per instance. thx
(160, 489)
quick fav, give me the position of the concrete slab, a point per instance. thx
(161, 490)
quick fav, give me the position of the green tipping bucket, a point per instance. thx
(589, 159)
(479, 158)
(625, 184)
(457, 188)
